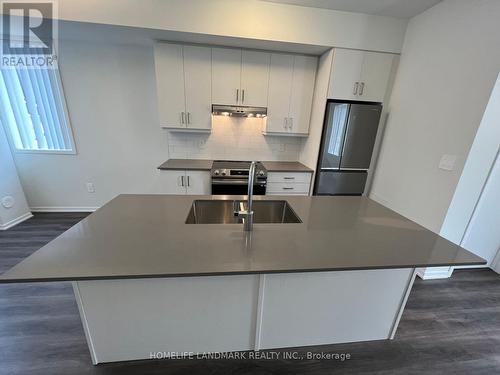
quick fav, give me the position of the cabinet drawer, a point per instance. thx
(287, 188)
(286, 177)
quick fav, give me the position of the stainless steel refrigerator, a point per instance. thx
(346, 149)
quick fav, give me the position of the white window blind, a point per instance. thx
(33, 110)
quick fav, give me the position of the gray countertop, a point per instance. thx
(206, 165)
(285, 166)
(187, 164)
(137, 236)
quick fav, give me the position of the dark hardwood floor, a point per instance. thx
(449, 326)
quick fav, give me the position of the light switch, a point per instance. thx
(447, 162)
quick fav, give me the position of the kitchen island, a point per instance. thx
(147, 282)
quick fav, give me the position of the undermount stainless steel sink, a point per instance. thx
(222, 212)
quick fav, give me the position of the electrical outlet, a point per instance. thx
(90, 187)
(202, 143)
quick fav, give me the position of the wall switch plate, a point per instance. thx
(447, 162)
(90, 187)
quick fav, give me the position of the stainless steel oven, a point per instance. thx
(231, 178)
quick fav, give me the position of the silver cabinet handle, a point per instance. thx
(182, 117)
(286, 123)
(291, 122)
(182, 181)
(355, 91)
(189, 181)
(237, 95)
(361, 88)
(243, 95)
(288, 178)
(189, 117)
(288, 188)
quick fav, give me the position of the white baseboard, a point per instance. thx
(432, 273)
(63, 209)
(16, 221)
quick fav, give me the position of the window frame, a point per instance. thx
(62, 97)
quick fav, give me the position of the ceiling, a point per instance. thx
(390, 8)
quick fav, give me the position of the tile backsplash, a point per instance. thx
(233, 139)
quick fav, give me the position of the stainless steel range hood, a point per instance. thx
(238, 111)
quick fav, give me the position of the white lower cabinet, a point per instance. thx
(186, 182)
(285, 183)
(198, 183)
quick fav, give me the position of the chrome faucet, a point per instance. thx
(247, 214)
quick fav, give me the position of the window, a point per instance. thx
(33, 111)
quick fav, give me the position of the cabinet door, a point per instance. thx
(304, 73)
(254, 78)
(280, 89)
(375, 76)
(173, 182)
(226, 76)
(346, 71)
(198, 86)
(170, 84)
(198, 183)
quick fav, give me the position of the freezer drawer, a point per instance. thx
(341, 183)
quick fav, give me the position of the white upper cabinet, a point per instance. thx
(291, 87)
(280, 88)
(346, 74)
(240, 77)
(226, 76)
(197, 83)
(375, 76)
(170, 84)
(359, 75)
(254, 78)
(304, 73)
(192, 78)
(183, 76)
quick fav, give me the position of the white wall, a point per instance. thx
(449, 64)
(10, 187)
(233, 138)
(250, 19)
(111, 98)
(479, 164)
(482, 236)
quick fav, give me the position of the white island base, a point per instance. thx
(131, 319)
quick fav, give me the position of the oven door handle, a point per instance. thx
(236, 182)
